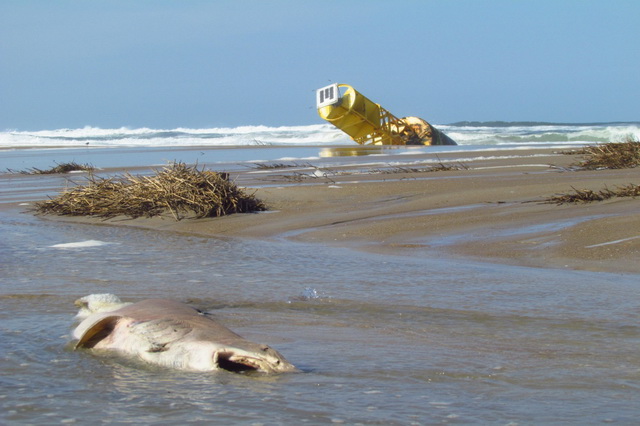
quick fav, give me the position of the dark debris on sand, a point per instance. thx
(614, 155)
(179, 189)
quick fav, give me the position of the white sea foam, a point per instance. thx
(491, 134)
(125, 137)
(622, 240)
(80, 244)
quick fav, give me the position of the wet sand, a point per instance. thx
(397, 338)
(493, 211)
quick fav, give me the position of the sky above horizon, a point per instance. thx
(226, 63)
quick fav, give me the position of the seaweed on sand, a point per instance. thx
(588, 195)
(60, 168)
(179, 189)
(614, 155)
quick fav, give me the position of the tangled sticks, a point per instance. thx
(614, 155)
(179, 189)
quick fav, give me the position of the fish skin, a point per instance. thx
(174, 335)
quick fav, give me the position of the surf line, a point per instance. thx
(613, 242)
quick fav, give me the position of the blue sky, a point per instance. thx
(200, 64)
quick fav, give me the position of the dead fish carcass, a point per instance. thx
(171, 334)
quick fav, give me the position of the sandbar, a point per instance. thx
(491, 209)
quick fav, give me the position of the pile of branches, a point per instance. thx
(179, 189)
(587, 195)
(614, 155)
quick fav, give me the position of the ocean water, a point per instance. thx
(230, 148)
(465, 134)
(379, 339)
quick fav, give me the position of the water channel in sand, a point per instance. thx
(379, 338)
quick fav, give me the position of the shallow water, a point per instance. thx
(379, 339)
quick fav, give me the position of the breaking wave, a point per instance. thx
(465, 133)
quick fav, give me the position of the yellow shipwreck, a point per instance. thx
(367, 123)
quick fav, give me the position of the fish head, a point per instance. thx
(256, 357)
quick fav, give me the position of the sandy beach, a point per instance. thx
(404, 296)
(492, 209)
